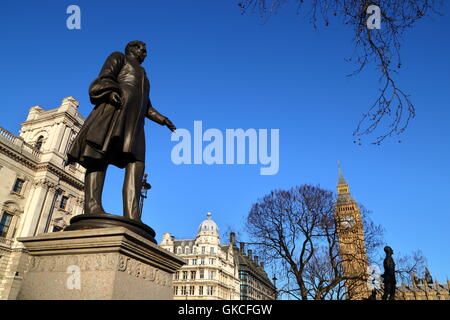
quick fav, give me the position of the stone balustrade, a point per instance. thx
(18, 141)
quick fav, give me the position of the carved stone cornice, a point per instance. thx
(61, 174)
(12, 208)
(55, 117)
(18, 157)
(45, 183)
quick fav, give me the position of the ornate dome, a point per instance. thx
(208, 225)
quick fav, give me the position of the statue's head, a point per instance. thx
(136, 49)
(388, 250)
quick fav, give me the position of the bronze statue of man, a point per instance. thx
(389, 275)
(113, 133)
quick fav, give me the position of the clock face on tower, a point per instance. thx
(348, 221)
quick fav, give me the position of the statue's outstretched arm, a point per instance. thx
(157, 117)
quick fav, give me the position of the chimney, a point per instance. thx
(69, 104)
(242, 247)
(249, 253)
(256, 260)
(232, 238)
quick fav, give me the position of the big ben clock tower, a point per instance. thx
(351, 241)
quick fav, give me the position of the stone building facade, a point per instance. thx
(38, 193)
(210, 272)
(255, 283)
(214, 271)
(422, 291)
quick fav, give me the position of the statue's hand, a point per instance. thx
(169, 125)
(115, 100)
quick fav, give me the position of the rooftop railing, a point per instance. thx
(18, 141)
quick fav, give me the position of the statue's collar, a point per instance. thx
(133, 58)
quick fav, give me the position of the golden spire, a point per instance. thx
(342, 186)
(341, 180)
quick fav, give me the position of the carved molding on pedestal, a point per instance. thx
(99, 262)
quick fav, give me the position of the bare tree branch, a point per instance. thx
(392, 111)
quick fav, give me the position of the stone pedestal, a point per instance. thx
(105, 264)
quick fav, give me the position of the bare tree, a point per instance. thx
(296, 230)
(391, 112)
(407, 265)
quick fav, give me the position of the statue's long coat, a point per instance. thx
(389, 271)
(110, 134)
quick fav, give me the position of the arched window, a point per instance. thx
(179, 250)
(39, 142)
(5, 221)
(9, 215)
(187, 251)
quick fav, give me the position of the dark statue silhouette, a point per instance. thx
(113, 134)
(389, 275)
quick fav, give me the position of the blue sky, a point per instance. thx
(208, 62)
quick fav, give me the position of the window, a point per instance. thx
(200, 290)
(187, 251)
(193, 274)
(177, 275)
(194, 262)
(202, 274)
(175, 291)
(203, 249)
(191, 290)
(185, 274)
(202, 261)
(212, 249)
(179, 250)
(18, 185)
(210, 290)
(183, 291)
(211, 260)
(211, 275)
(63, 203)
(5, 221)
(39, 142)
(243, 275)
(195, 250)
